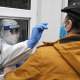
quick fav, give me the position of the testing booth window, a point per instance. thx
(24, 28)
(23, 11)
(21, 4)
(70, 2)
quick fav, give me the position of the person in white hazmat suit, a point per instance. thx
(12, 53)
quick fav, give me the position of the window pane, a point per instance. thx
(1, 2)
(21, 4)
(70, 2)
(23, 29)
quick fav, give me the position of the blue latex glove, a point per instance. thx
(19, 64)
(36, 34)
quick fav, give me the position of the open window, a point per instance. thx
(24, 28)
(23, 11)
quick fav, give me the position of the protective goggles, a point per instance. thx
(11, 27)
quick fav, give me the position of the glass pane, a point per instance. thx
(23, 29)
(70, 2)
(1, 2)
(21, 4)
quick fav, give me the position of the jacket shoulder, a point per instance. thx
(47, 48)
(47, 44)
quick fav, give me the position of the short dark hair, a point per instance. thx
(75, 23)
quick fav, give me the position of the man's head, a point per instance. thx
(72, 20)
(10, 31)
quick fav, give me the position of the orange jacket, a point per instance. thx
(52, 61)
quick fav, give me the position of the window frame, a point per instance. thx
(15, 13)
(64, 4)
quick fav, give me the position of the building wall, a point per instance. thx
(50, 11)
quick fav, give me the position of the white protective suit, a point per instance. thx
(12, 54)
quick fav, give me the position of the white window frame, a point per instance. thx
(15, 13)
(64, 4)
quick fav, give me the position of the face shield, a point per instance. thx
(11, 34)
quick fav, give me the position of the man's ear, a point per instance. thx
(69, 26)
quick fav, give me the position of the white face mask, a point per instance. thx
(9, 38)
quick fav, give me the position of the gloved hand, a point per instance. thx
(36, 34)
(19, 64)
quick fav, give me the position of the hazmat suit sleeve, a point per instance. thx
(12, 54)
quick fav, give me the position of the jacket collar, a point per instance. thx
(66, 39)
(70, 38)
